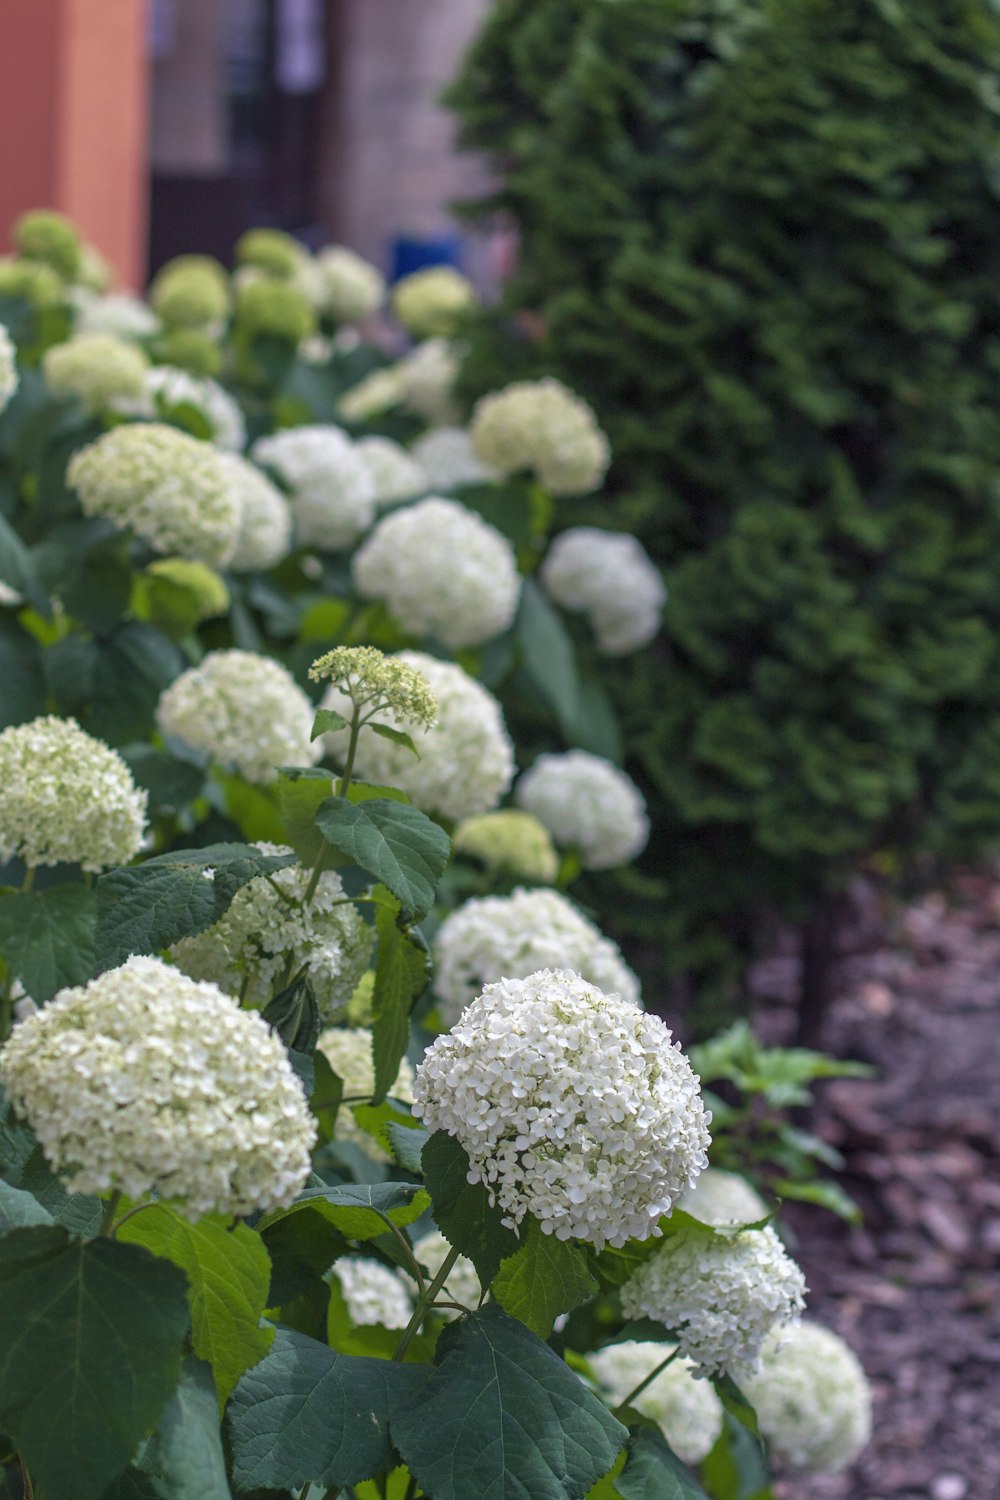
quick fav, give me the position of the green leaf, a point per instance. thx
(462, 1210)
(21, 673)
(545, 1278)
(825, 1194)
(294, 1015)
(80, 1213)
(548, 655)
(653, 1472)
(396, 736)
(184, 1456)
(17, 569)
(736, 1468)
(407, 1145)
(396, 843)
(18, 1209)
(307, 1414)
(503, 1416)
(47, 937)
(358, 1210)
(327, 721)
(171, 783)
(400, 976)
(228, 1272)
(150, 906)
(298, 799)
(90, 1352)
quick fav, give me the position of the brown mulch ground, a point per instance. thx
(916, 1292)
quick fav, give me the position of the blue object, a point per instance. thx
(411, 254)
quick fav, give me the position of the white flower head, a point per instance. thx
(496, 937)
(442, 571)
(571, 1104)
(373, 395)
(466, 758)
(610, 576)
(373, 1293)
(97, 368)
(723, 1199)
(511, 841)
(121, 314)
(167, 386)
(350, 288)
(395, 474)
(428, 375)
(8, 367)
(722, 1294)
(265, 534)
(463, 1284)
(145, 1081)
(433, 301)
(687, 1411)
(449, 460)
(348, 1050)
(269, 935)
(331, 487)
(541, 426)
(66, 798)
(587, 804)
(812, 1398)
(242, 710)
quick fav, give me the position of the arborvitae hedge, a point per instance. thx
(763, 239)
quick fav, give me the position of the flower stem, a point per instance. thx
(317, 871)
(424, 1303)
(130, 1213)
(648, 1380)
(352, 747)
(111, 1208)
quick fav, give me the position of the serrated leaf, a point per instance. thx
(407, 1144)
(502, 1416)
(228, 1272)
(653, 1472)
(399, 845)
(400, 976)
(545, 1278)
(90, 1352)
(327, 721)
(395, 737)
(294, 1015)
(462, 1210)
(358, 1210)
(298, 798)
(19, 1209)
(184, 1456)
(47, 937)
(80, 1213)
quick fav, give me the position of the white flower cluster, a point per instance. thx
(120, 313)
(372, 1292)
(432, 301)
(8, 367)
(587, 804)
(571, 1104)
(269, 936)
(97, 368)
(331, 485)
(66, 798)
(449, 460)
(373, 395)
(348, 1050)
(509, 841)
(427, 378)
(812, 1398)
(144, 1081)
(265, 530)
(610, 576)
(541, 426)
(395, 475)
(722, 1294)
(241, 710)
(165, 386)
(687, 1411)
(722, 1199)
(510, 937)
(169, 489)
(466, 759)
(463, 1284)
(350, 288)
(442, 571)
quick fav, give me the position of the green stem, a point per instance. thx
(638, 1389)
(130, 1213)
(424, 1303)
(111, 1208)
(411, 1488)
(406, 1247)
(6, 1007)
(352, 747)
(317, 871)
(29, 879)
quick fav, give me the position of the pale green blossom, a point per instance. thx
(541, 426)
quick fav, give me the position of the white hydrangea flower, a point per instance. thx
(433, 301)
(351, 288)
(511, 841)
(348, 1050)
(395, 474)
(687, 1411)
(449, 460)
(428, 375)
(269, 936)
(721, 1293)
(166, 386)
(540, 425)
(332, 489)
(466, 759)
(145, 1081)
(9, 378)
(242, 710)
(723, 1199)
(373, 395)
(265, 534)
(120, 313)
(66, 798)
(610, 576)
(373, 1293)
(442, 571)
(463, 1284)
(572, 1105)
(97, 368)
(812, 1398)
(587, 804)
(170, 489)
(496, 937)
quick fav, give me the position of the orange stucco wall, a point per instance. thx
(73, 120)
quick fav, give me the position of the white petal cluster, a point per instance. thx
(120, 313)
(395, 474)
(723, 1198)
(687, 1411)
(510, 937)
(144, 1081)
(270, 936)
(441, 571)
(241, 710)
(265, 531)
(571, 1104)
(166, 386)
(373, 1293)
(510, 841)
(433, 301)
(66, 798)
(348, 1050)
(587, 804)
(97, 368)
(169, 489)
(373, 395)
(463, 1284)
(428, 375)
(331, 485)
(610, 576)
(8, 367)
(351, 287)
(722, 1294)
(466, 760)
(812, 1398)
(541, 426)
(449, 460)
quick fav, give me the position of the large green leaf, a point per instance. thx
(736, 1468)
(462, 1210)
(502, 1416)
(299, 796)
(17, 570)
(80, 1213)
(548, 655)
(228, 1272)
(90, 1352)
(19, 1209)
(184, 1456)
(653, 1472)
(400, 976)
(398, 844)
(47, 937)
(171, 783)
(23, 695)
(358, 1210)
(545, 1278)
